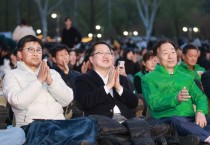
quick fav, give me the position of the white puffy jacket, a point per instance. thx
(30, 99)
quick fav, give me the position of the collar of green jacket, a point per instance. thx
(163, 69)
(194, 73)
(184, 65)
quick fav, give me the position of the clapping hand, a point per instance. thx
(44, 73)
(111, 78)
(114, 80)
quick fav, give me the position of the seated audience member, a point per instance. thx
(148, 65)
(102, 91)
(60, 57)
(12, 136)
(170, 95)
(188, 65)
(131, 67)
(72, 59)
(37, 95)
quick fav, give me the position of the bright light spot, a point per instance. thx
(184, 29)
(135, 33)
(90, 35)
(125, 33)
(98, 27)
(38, 31)
(195, 29)
(99, 35)
(54, 15)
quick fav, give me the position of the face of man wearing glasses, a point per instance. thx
(31, 54)
(102, 58)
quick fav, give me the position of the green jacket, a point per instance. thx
(184, 68)
(160, 90)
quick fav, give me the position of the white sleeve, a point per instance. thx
(59, 90)
(19, 97)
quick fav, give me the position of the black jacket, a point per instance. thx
(71, 37)
(69, 78)
(91, 95)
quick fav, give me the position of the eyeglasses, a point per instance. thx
(103, 53)
(32, 50)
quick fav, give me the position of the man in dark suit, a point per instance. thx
(102, 91)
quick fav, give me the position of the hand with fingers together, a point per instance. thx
(183, 95)
(49, 79)
(111, 78)
(43, 72)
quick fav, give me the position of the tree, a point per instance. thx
(44, 11)
(18, 12)
(147, 11)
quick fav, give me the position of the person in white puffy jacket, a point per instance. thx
(33, 90)
(37, 95)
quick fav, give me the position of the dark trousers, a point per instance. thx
(186, 126)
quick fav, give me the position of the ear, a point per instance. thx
(183, 56)
(53, 59)
(91, 59)
(143, 63)
(157, 59)
(19, 55)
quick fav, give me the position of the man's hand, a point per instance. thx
(183, 95)
(42, 75)
(111, 78)
(85, 66)
(49, 79)
(200, 119)
(66, 67)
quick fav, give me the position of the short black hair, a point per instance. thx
(67, 18)
(125, 52)
(91, 50)
(28, 38)
(58, 47)
(159, 43)
(188, 47)
(147, 56)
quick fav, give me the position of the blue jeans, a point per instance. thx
(12, 136)
(186, 126)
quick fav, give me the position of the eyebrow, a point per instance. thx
(35, 47)
(168, 49)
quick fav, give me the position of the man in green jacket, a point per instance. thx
(170, 95)
(188, 65)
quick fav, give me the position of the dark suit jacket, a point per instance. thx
(91, 95)
(205, 79)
